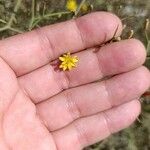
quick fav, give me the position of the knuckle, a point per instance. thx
(72, 105)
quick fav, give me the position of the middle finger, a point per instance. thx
(111, 59)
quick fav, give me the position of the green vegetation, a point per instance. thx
(23, 15)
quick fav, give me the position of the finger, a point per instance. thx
(8, 87)
(32, 50)
(8, 90)
(93, 98)
(89, 130)
(109, 60)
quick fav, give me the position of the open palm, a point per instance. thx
(42, 108)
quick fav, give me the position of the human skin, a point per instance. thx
(42, 108)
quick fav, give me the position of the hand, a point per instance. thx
(45, 109)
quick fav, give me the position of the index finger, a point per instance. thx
(32, 50)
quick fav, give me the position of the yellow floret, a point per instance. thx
(68, 62)
(72, 5)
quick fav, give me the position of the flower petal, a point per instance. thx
(61, 58)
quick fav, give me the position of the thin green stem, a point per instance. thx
(56, 14)
(3, 21)
(79, 8)
(129, 17)
(39, 18)
(35, 23)
(146, 35)
(148, 47)
(11, 20)
(10, 28)
(3, 28)
(12, 17)
(148, 42)
(32, 15)
(44, 9)
(15, 30)
(15, 10)
(17, 5)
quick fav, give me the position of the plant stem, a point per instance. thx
(3, 28)
(3, 21)
(10, 28)
(79, 8)
(17, 5)
(15, 30)
(32, 15)
(56, 14)
(15, 10)
(39, 18)
(146, 35)
(8, 25)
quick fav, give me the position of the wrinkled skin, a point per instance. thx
(43, 108)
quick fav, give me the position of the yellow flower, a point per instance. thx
(72, 5)
(68, 62)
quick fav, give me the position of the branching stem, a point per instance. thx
(12, 17)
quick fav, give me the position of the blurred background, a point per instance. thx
(18, 16)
